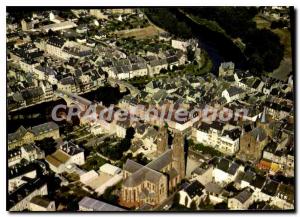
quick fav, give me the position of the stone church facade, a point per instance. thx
(253, 142)
(151, 184)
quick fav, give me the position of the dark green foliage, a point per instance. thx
(165, 18)
(109, 196)
(263, 48)
(205, 204)
(234, 20)
(94, 163)
(221, 206)
(141, 159)
(115, 152)
(47, 145)
(279, 24)
(176, 199)
(193, 205)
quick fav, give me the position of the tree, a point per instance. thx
(221, 206)
(176, 199)
(126, 142)
(109, 196)
(278, 24)
(186, 201)
(256, 64)
(163, 71)
(190, 54)
(141, 159)
(47, 145)
(264, 50)
(193, 205)
(130, 133)
(205, 204)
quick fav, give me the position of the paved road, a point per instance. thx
(74, 97)
(197, 154)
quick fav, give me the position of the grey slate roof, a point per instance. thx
(97, 205)
(142, 174)
(29, 147)
(244, 195)
(223, 165)
(25, 190)
(132, 166)
(259, 134)
(232, 91)
(249, 176)
(213, 188)
(71, 149)
(195, 188)
(16, 135)
(40, 201)
(233, 168)
(270, 187)
(162, 161)
(46, 127)
(46, 70)
(148, 172)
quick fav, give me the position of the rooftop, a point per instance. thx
(97, 205)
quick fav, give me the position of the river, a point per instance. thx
(41, 113)
(219, 47)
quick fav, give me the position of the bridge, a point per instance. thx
(73, 99)
(123, 86)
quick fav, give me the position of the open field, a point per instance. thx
(139, 33)
(262, 22)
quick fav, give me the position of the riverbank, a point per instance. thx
(41, 113)
(285, 66)
(218, 47)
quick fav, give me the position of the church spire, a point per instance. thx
(263, 116)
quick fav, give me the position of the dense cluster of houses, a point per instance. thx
(73, 60)
(29, 166)
(249, 120)
(237, 185)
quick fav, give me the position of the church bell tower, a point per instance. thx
(162, 141)
(178, 154)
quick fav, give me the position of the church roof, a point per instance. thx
(149, 172)
(263, 116)
(142, 174)
(132, 166)
(259, 134)
(162, 161)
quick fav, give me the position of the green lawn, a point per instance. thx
(204, 149)
(262, 23)
(93, 163)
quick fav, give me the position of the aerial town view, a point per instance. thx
(150, 109)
